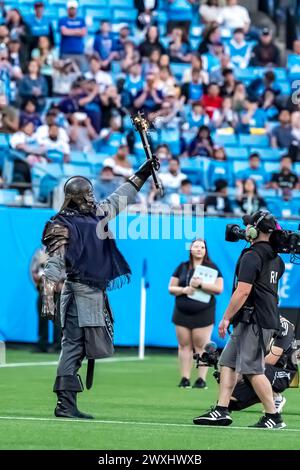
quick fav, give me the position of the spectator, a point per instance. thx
(179, 47)
(265, 53)
(196, 63)
(112, 137)
(151, 42)
(252, 117)
(25, 141)
(119, 162)
(196, 118)
(225, 117)
(169, 122)
(184, 195)
(193, 91)
(285, 178)
(234, 16)
(106, 183)
(16, 58)
(202, 144)
(163, 153)
(217, 72)
(46, 57)
(18, 29)
(8, 75)
(146, 11)
(212, 59)
(286, 206)
(105, 45)
(40, 25)
(4, 35)
(218, 167)
(65, 74)
(130, 56)
(255, 171)
(209, 11)
(173, 177)
(101, 77)
(150, 98)
(110, 105)
(212, 99)
(42, 132)
(123, 39)
(250, 201)
(151, 65)
(239, 50)
(55, 143)
(134, 82)
(294, 149)
(281, 136)
(218, 203)
(9, 118)
(239, 97)
(268, 104)
(211, 35)
(166, 83)
(229, 83)
(33, 84)
(259, 86)
(73, 30)
(81, 132)
(29, 113)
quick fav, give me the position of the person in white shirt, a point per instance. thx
(210, 11)
(42, 132)
(119, 163)
(234, 16)
(173, 177)
(52, 141)
(103, 79)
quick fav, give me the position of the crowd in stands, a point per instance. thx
(225, 120)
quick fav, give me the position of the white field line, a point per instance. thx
(54, 363)
(136, 423)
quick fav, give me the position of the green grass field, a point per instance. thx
(137, 405)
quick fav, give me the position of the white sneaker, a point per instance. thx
(279, 402)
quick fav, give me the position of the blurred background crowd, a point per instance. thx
(216, 79)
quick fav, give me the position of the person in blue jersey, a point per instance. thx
(40, 25)
(193, 91)
(239, 50)
(73, 30)
(255, 171)
(105, 45)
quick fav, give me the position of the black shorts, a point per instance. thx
(245, 395)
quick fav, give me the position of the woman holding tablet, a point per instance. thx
(194, 284)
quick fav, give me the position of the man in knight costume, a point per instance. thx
(78, 241)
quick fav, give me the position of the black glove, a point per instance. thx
(143, 173)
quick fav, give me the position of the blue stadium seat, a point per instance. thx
(292, 60)
(297, 168)
(98, 14)
(233, 153)
(285, 87)
(93, 3)
(73, 170)
(239, 165)
(244, 75)
(8, 196)
(271, 167)
(250, 140)
(193, 168)
(96, 158)
(266, 153)
(77, 157)
(55, 156)
(120, 3)
(127, 16)
(280, 72)
(224, 140)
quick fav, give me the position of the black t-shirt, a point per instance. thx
(285, 180)
(285, 340)
(183, 302)
(263, 268)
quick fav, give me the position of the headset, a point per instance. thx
(252, 232)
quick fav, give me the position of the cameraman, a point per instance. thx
(281, 368)
(254, 314)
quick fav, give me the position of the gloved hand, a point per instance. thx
(48, 303)
(143, 173)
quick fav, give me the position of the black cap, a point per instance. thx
(263, 220)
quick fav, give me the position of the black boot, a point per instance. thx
(66, 406)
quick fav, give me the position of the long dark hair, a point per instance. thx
(206, 259)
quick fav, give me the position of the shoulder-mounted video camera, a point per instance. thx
(209, 357)
(282, 241)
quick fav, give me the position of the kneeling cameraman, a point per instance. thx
(281, 368)
(254, 314)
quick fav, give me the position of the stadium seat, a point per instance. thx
(271, 167)
(77, 157)
(250, 140)
(233, 153)
(224, 140)
(55, 156)
(120, 3)
(81, 170)
(8, 196)
(285, 87)
(98, 14)
(94, 3)
(266, 153)
(193, 168)
(127, 16)
(292, 60)
(239, 165)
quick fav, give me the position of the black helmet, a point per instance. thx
(79, 195)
